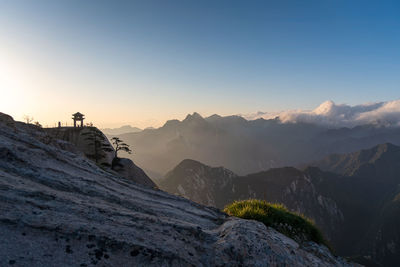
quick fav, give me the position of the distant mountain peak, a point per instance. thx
(388, 146)
(171, 123)
(194, 164)
(189, 162)
(194, 116)
(121, 130)
(214, 117)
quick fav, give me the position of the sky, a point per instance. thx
(144, 62)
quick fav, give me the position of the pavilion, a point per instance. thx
(78, 117)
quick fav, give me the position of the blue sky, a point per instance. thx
(148, 61)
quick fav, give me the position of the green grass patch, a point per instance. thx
(293, 225)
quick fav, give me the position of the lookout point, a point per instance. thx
(78, 117)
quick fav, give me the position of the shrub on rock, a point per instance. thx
(295, 226)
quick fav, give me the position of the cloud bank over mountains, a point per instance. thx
(340, 115)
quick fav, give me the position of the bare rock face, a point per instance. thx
(126, 168)
(57, 208)
(81, 138)
(210, 186)
(6, 119)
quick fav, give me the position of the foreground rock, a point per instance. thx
(126, 168)
(57, 208)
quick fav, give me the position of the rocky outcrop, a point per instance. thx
(57, 208)
(6, 119)
(83, 139)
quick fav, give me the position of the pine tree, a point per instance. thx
(98, 142)
(119, 145)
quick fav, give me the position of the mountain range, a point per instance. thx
(248, 146)
(354, 197)
(121, 130)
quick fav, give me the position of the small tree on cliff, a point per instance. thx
(119, 145)
(97, 141)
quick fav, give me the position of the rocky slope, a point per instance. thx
(57, 208)
(357, 208)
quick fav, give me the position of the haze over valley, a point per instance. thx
(247, 146)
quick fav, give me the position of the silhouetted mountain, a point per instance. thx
(121, 130)
(248, 146)
(202, 183)
(358, 208)
(361, 161)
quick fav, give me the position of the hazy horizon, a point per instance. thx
(326, 113)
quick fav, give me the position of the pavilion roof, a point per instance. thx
(78, 114)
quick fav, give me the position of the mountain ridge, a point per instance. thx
(121, 130)
(245, 146)
(339, 163)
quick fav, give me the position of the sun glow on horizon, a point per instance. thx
(12, 84)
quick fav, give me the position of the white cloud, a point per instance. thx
(340, 115)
